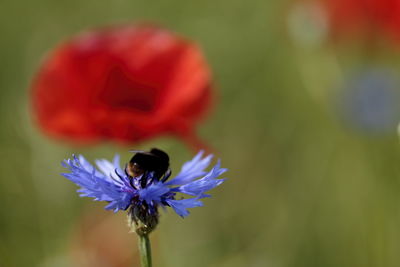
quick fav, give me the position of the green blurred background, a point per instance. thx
(304, 189)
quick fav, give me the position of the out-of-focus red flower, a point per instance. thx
(368, 18)
(126, 83)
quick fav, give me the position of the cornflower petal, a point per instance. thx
(208, 182)
(86, 165)
(121, 204)
(192, 169)
(109, 169)
(105, 166)
(181, 206)
(153, 192)
(96, 185)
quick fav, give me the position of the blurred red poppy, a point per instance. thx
(370, 18)
(126, 83)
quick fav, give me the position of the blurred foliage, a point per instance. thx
(303, 189)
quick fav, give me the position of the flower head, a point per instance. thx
(143, 194)
(369, 100)
(372, 18)
(123, 83)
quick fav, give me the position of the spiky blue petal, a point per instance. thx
(154, 192)
(95, 184)
(208, 182)
(191, 169)
(181, 206)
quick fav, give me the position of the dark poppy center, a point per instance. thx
(123, 92)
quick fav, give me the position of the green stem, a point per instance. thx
(145, 250)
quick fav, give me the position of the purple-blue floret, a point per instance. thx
(109, 182)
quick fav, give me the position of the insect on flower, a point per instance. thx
(142, 186)
(156, 161)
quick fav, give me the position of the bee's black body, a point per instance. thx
(156, 161)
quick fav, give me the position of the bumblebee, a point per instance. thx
(154, 161)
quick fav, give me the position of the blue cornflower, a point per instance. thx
(143, 194)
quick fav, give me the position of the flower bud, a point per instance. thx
(142, 220)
